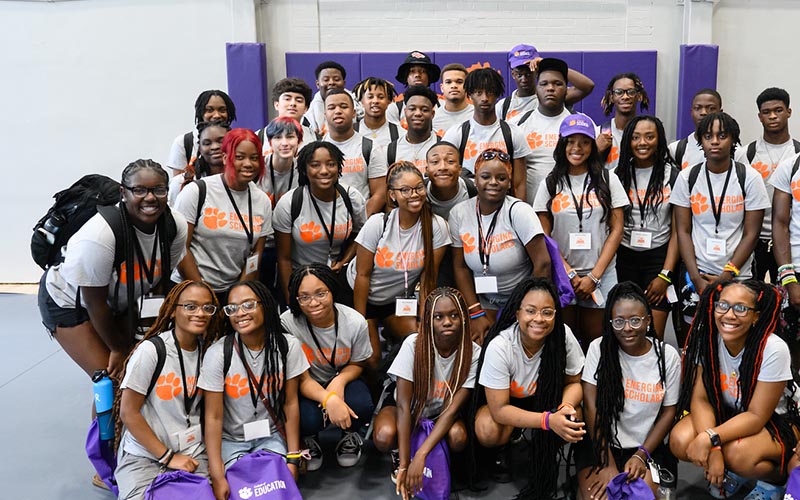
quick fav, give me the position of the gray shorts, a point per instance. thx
(134, 473)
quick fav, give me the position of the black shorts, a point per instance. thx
(642, 268)
(584, 456)
(54, 316)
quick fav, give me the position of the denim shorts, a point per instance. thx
(54, 316)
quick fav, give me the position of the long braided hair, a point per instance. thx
(425, 353)
(597, 181)
(543, 475)
(626, 170)
(701, 349)
(610, 391)
(276, 347)
(128, 235)
(164, 323)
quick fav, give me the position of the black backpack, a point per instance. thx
(751, 150)
(741, 175)
(297, 205)
(188, 146)
(391, 150)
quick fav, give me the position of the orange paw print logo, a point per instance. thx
(383, 257)
(168, 386)
(699, 203)
(796, 190)
(534, 140)
(440, 132)
(236, 386)
(560, 203)
(512, 114)
(469, 242)
(471, 150)
(763, 168)
(404, 123)
(213, 218)
(516, 390)
(613, 155)
(684, 165)
(310, 231)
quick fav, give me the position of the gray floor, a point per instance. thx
(47, 410)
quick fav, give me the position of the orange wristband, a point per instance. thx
(325, 401)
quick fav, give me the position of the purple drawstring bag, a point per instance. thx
(101, 455)
(436, 474)
(620, 489)
(179, 484)
(793, 485)
(559, 274)
(263, 475)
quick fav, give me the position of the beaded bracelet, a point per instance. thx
(789, 280)
(593, 278)
(473, 306)
(477, 314)
(786, 267)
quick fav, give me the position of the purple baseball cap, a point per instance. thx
(522, 54)
(577, 124)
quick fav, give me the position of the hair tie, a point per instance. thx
(719, 287)
(760, 295)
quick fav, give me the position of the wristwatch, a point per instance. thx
(572, 273)
(714, 437)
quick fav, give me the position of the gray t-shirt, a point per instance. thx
(351, 340)
(775, 367)
(414, 153)
(355, 172)
(784, 181)
(766, 160)
(219, 242)
(403, 367)
(645, 395)
(565, 219)
(443, 208)
(443, 119)
(483, 137)
(710, 258)
(659, 223)
(381, 136)
(508, 258)
(284, 181)
(237, 400)
(541, 132)
(506, 366)
(396, 250)
(310, 242)
(518, 107)
(163, 409)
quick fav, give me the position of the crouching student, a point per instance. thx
(162, 422)
(435, 373)
(250, 379)
(530, 370)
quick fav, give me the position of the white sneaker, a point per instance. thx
(348, 450)
(316, 453)
(395, 454)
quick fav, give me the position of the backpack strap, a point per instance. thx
(505, 128)
(400, 105)
(391, 153)
(438, 138)
(188, 146)
(356, 125)
(674, 171)
(796, 145)
(366, 150)
(464, 136)
(297, 202)
(385, 221)
(506, 107)
(525, 117)
(511, 220)
(113, 218)
(348, 203)
(161, 358)
(741, 174)
(201, 199)
(472, 191)
(751, 152)
(227, 353)
(795, 167)
(394, 134)
(680, 150)
(693, 176)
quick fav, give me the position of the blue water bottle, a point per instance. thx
(103, 403)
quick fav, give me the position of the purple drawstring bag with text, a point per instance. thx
(263, 475)
(101, 454)
(559, 275)
(620, 489)
(436, 474)
(179, 484)
(793, 485)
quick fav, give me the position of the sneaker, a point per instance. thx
(348, 450)
(316, 453)
(395, 464)
(517, 435)
(766, 491)
(96, 481)
(501, 472)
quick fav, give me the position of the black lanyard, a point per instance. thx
(255, 385)
(332, 231)
(332, 360)
(716, 209)
(188, 401)
(579, 206)
(642, 206)
(149, 271)
(239, 214)
(272, 179)
(484, 244)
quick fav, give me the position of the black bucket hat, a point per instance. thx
(420, 59)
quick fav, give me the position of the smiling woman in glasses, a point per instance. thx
(497, 242)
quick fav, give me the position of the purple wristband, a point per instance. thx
(547, 420)
(647, 453)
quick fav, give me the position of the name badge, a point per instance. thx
(672, 296)
(641, 239)
(716, 246)
(252, 264)
(654, 471)
(189, 437)
(580, 241)
(598, 298)
(151, 306)
(257, 430)
(485, 284)
(405, 307)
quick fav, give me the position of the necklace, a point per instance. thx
(418, 150)
(254, 357)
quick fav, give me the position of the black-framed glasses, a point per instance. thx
(141, 191)
(247, 306)
(739, 310)
(304, 300)
(628, 92)
(406, 191)
(190, 308)
(491, 155)
(635, 322)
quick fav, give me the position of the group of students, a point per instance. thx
(352, 214)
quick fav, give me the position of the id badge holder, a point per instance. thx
(672, 296)
(598, 298)
(405, 307)
(151, 305)
(580, 241)
(257, 430)
(716, 246)
(485, 284)
(189, 437)
(252, 264)
(654, 471)
(642, 239)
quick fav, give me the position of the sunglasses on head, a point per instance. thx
(491, 155)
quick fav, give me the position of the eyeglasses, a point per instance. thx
(547, 314)
(491, 155)
(248, 306)
(739, 310)
(141, 192)
(635, 322)
(628, 92)
(304, 300)
(208, 309)
(406, 191)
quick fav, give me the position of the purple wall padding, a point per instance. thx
(382, 65)
(698, 70)
(247, 83)
(602, 66)
(303, 64)
(475, 60)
